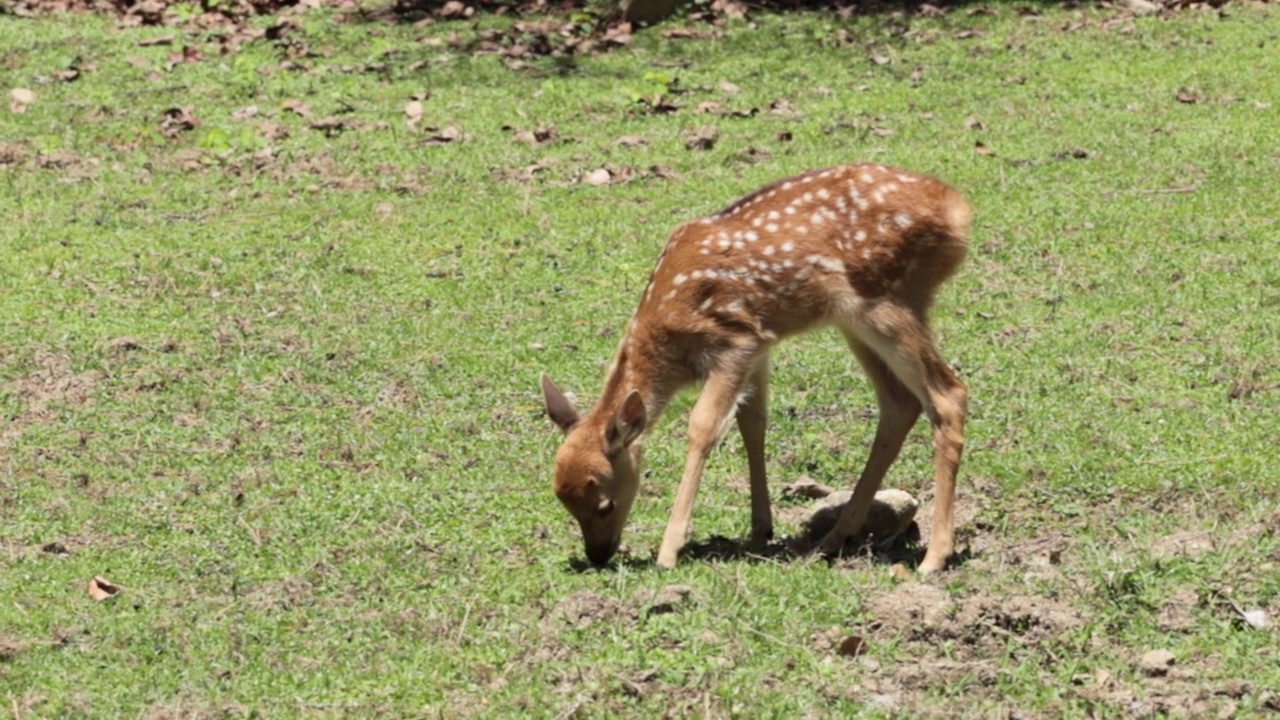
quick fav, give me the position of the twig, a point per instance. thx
(1169, 191)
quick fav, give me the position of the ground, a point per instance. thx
(278, 283)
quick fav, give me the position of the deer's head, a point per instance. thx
(597, 466)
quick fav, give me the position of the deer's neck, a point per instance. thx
(639, 366)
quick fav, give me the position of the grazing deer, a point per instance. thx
(861, 247)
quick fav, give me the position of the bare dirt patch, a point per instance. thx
(924, 613)
(51, 384)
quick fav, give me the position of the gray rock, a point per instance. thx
(892, 512)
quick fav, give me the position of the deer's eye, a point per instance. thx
(605, 507)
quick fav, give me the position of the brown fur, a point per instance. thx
(861, 247)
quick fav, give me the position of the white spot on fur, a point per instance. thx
(771, 227)
(680, 279)
(752, 236)
(768, 250)
(902, 220)
(788, 246)
(773, 215)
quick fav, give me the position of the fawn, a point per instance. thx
(862, 247)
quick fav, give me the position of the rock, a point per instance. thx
(1156, 663)
(892, 512)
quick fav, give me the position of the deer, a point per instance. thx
(862, 247)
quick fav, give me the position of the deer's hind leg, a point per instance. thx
(898, 334)
(753, 421)
(899, 410)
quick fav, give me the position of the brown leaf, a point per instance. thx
(245, 113)
(446, 135)
(807, 487)
(159, 40)
(782, 108)
(710, 106)
(1188, 96)
(454, 10)
(853, 646)
(413, 113)
(703, 138)
(880, 131)
(966, 34)
(784, 136)
(879, 59)
(22, 97)
(973, 123)
(631, 141)
(927, 10)
(101, 588)
(726, 86)
(178, 120)
(538, 136)
(982, 149)
(331, 126)
(917, 75)
(598, 177)
(297, 107)
(687, 34)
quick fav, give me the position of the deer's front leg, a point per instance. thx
(753, 421)
(707, 423)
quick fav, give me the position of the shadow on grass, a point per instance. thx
(904, 548)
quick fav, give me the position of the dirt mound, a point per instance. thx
(926, 613)
(583, 609)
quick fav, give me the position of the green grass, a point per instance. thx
(318, 467)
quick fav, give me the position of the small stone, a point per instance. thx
(891, 513)
(1156, 663)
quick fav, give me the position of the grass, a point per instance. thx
(289, 404)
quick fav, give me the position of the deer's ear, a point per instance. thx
(629, 424)
(558, 407)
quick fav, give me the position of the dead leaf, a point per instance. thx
(413, 113)
(538, 136)
(880, 131)
(245, 113)
(598, 177)
(973, 123)
(444, 136)
(726, 86)
(703, 138)
(332, 126)
(1188, 96)
(101, 588)
(967, 34)
(178, 120)
(710, 106)
(782, 108)
(158, 40)
(853, 646)
(297, 107)
(879, 59)
(807, 487)
(982, 149)
(631, 141)
(22, 97)
(687, 34)
(917, 75)
(454, 10)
